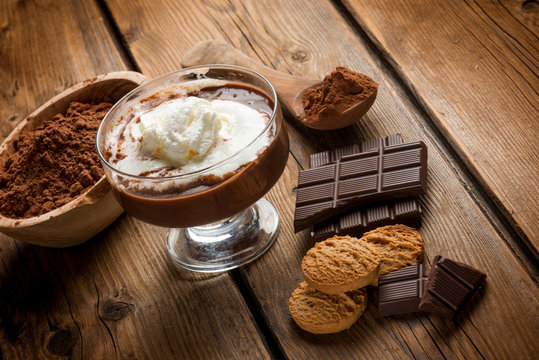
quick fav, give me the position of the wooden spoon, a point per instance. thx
(290, 89)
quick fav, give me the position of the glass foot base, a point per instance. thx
(226, 244)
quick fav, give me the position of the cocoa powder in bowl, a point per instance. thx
(52, 164)
(339, 91)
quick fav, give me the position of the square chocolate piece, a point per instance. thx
(400, 291)
(449, 287)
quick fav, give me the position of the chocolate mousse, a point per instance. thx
(193, 154)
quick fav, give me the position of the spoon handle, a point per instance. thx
(289, 88)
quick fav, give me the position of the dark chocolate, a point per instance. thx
(400, 291)
(329, 156)
(449, 287)
(384, 173)
(358, 221)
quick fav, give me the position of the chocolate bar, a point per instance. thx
(449, 287)
(400, 291)
(384, 173)
(357, 222)
(329, 156)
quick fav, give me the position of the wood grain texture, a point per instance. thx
(43, 52)
(118, 295)
(474, 66)
(309, 39)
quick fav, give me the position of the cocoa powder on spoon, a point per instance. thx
(339, 91)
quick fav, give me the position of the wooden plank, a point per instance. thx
(41, 56)
(311, 38)
(473, 65)
(118, 295)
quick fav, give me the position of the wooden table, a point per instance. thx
(459, 75)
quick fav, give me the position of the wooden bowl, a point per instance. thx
(96, 208)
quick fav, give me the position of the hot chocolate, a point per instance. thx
(194, 153)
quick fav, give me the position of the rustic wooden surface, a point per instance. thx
(120, 296)
(474, 67)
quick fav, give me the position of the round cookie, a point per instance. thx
(398, 246)
(321, 313)
(340, 264)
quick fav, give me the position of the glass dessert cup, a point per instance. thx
(216, 223)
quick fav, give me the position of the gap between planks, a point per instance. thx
(266, 334)
(116, 36)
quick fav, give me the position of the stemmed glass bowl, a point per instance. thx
(216, 222)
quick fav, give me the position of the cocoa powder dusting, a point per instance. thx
(339, 91)
(52, 164)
